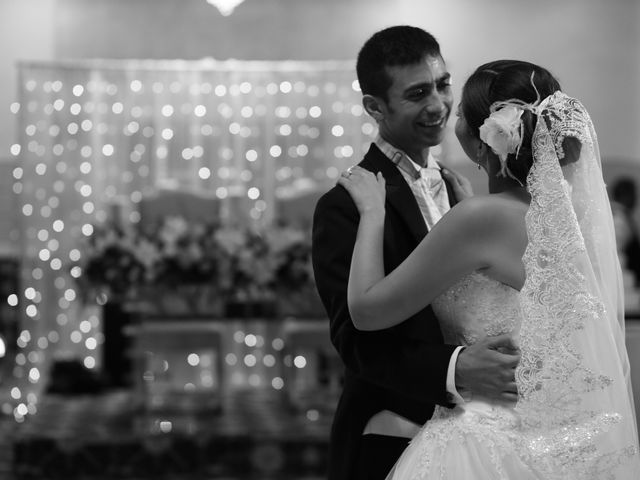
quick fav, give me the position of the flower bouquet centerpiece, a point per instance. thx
(269, 271)
(187, 267)
(181, 268)
(171, 267)
(294, 283)
(110, 266)
(249, 272)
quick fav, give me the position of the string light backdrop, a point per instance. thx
(98, 133)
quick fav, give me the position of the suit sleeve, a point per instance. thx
(414, 368)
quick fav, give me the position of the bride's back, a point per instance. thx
(501, 251)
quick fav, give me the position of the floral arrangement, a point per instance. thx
(502, 131)
(110, 262)
(199, 262)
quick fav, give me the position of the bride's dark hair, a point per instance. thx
(505, 80)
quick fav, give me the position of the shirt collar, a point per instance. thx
(392, 152)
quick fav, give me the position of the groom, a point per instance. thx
(394, 377)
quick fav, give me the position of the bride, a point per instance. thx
(535, 258)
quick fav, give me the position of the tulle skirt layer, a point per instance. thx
(478, 443)
(485, 442)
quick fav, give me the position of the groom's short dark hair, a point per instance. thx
(394, 46)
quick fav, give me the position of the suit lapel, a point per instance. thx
(399, 195)
(452, 197)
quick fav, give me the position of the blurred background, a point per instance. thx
(159, 165)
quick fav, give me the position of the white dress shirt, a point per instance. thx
(426, 183)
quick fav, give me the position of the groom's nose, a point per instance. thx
(436, 103)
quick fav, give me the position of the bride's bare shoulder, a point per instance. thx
(489, 211)
(489, 204)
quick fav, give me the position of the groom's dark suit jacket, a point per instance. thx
(402, 369)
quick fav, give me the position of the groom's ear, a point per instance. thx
(374, 107)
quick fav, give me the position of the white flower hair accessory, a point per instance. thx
(503, 129)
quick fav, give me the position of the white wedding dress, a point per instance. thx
(574, 418)
(477, 440)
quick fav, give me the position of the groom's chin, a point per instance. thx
(436, 137)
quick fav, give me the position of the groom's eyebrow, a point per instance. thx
(445, 77)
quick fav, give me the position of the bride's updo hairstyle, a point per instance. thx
(504, 80)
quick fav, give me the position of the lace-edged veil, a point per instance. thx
(575, 396)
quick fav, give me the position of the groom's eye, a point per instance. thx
(417, 93)
(444, 82)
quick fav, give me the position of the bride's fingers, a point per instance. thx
(509, 397)
(346, 183)
(358, 176)
(358, 172)
(452, 176)
(511, 387)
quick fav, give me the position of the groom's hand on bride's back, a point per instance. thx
(486, 370)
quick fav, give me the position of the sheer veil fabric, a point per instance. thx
(575, 398)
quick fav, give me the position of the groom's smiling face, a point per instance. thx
(418, 106)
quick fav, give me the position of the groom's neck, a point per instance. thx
(421, 157)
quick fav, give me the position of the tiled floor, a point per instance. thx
(256, 436)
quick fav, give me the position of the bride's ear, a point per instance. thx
(374, 107)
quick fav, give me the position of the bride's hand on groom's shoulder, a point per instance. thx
(486, 369)
(459, 183)
(366, 188)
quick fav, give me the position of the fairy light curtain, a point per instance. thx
(252, 135)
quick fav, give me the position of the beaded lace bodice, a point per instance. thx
(477, 306)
